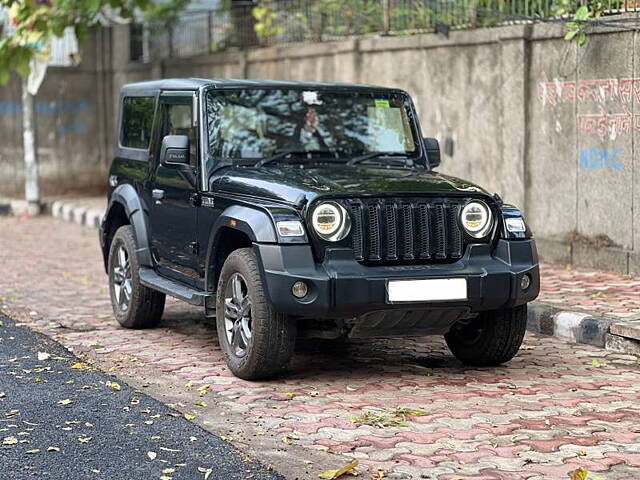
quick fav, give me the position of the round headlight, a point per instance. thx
(476, 219)
(331, 221)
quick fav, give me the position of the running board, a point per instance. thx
(151, 279)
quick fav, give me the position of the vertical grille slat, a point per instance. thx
(397, 230)
(440, 232)
(407, 231)
(455, 235)
(424, 232)
(374, 232)
(356, 215)
(392, 232)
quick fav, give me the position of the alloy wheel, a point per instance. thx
(122, 281)
(237, 314)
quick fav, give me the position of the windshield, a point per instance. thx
(259, 123)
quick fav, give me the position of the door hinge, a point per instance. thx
(194, 248)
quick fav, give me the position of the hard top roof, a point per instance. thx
(195, 83)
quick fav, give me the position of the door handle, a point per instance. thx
(157, 194)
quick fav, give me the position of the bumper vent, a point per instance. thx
(399, 230)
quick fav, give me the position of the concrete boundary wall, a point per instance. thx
(550, 126)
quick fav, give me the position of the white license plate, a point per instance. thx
(436, 289)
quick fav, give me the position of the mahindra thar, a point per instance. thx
(289, 209)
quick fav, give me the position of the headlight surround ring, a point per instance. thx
(330, 221)
(476, 219)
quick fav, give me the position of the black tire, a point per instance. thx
(145, 306)
(272, 334)
(491, 339)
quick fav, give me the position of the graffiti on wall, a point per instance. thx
(622, 92)
(596, 158)
(77, 108)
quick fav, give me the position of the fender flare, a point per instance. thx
(256, 224)
(126, 196)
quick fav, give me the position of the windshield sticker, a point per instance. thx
(382, 103)
(311, 98)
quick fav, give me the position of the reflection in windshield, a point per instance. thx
(258, 123)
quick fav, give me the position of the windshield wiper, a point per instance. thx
(286, 153)
(371, 155)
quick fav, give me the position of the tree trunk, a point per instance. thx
(31, 187)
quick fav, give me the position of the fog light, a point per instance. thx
(525, 281)
(299, 290)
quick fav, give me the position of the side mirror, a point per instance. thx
(175, 150)
(432, 147)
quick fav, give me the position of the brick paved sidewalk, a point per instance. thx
(554, 408)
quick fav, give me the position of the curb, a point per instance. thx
(79, 214)
(579, 327)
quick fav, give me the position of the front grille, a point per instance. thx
(401, 230)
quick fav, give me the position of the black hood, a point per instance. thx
(287, 183)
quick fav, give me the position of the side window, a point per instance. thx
(177, 121)
(137, 119)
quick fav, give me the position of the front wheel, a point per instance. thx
(491, 338)
(257, 341)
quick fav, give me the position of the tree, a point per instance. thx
(36, 23)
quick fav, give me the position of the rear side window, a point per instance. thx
(137, 119)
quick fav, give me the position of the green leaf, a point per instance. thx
(582, 13)
(582, 38)
(570, 35)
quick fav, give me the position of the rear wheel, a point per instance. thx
(491, 338)
(257, 341)
(134, 305)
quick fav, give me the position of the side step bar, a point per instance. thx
(151, 279)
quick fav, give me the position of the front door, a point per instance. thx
(174, 194)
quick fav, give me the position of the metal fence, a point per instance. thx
(271, 22)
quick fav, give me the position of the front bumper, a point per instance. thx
(340, 287)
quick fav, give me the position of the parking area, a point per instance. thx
(402, 405)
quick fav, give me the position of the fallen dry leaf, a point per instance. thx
(206, 471)
(332, 474)
(189, 416)
(200, 404)
(10, 441)
(115, 386)
(169, 449)
(84, 439)
(43, 356)
(79, 366)
(204, 389)
(53, 449)
(152, 455)
(379, 475)
(66, 401)
(34, 451)
(579, 474)
(595, 363)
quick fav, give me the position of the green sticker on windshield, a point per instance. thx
(382, 102)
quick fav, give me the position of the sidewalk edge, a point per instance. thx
(574, 326)
(71, 212)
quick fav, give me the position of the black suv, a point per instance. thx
(291, 209)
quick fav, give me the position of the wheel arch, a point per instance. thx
(126, 208)
(236, 227)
